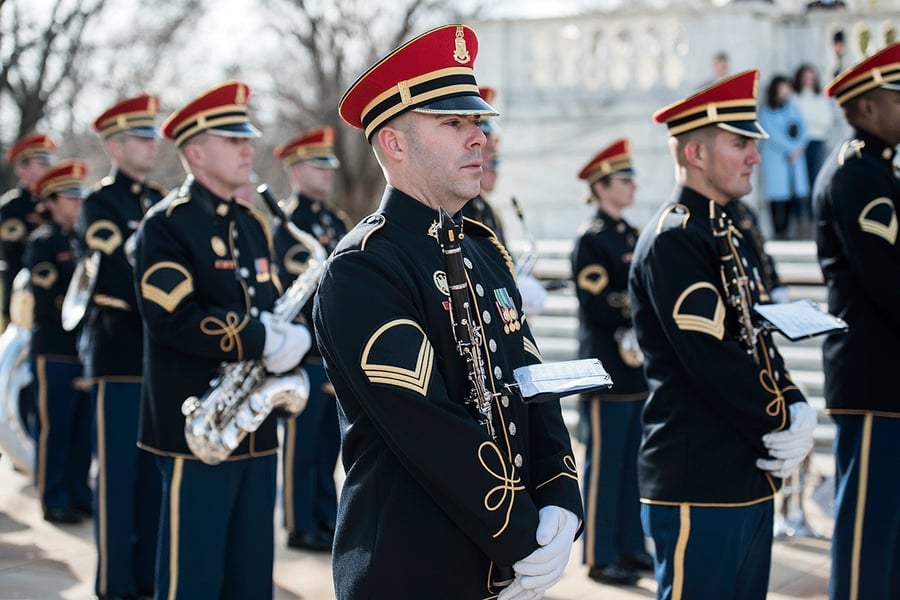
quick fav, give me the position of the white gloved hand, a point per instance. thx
(515, 591)
(779, 467)
(779, 295)
(285, 345)
(533, 295)
(791, 446)
(544, 567)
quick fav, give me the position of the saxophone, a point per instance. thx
(244, 394)
(735, 281)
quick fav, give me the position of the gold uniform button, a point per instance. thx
(512, 428)
(486, 317)
(504, 400)
(518, 461)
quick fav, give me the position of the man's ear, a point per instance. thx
(391, 142)
(694, 152)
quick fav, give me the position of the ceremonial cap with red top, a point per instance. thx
(488, 93)
(221, 110)
(314, 145)
(429, 74)
(38, 146)
(612, 161)
(135, 116)
(64, 178)
(729, 104)
(881, 70)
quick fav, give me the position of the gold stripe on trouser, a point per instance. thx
(290, 446)
(684, 532)
(590, 530)
(174, 525)
(102, 525)
(861, 491)
(44, 416)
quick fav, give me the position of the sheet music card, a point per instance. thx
(799, 319)
(548, 381)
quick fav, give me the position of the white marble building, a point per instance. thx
(567, 86)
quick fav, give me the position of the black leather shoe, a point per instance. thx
(614, 574)
(305, 540)
(638, 562)
(67, 516)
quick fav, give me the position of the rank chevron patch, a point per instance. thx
(399, 354)
(699, 308)
(878, 218)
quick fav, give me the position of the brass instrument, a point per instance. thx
(15, 376)
(80, 292)
(629, 350)
(525, 262)
(244, 395)
(736, 282)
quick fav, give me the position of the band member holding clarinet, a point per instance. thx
(128, 488)
(723, 423)
(455, 487)
(311, 439)
(206, 288)
(856, 200)
(614, 548)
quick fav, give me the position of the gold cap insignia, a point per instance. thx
(460, 53)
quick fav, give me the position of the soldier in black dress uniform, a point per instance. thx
(433, 504)
(206, 285)
(128, 489)
(31, 158)
(311, 439)
(723, 423)
(856, 202)
(614, 546)
(63, 453)
(479, 208)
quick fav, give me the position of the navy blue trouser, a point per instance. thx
(217, 536)
(612, 525)
(63, 449)
(711, 552)
(312, 441)
(127, 496)
(865, 545)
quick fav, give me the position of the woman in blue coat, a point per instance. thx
(783, 165)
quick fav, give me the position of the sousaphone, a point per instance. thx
(80, 291)
(16, 443)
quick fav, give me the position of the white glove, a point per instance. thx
(544, 567)
(779, 295)
(515, 591)
(791, 446)
(533, 295)
(285, 345)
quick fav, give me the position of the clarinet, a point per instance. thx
(465, 331)
(735, 282)
(468, 344)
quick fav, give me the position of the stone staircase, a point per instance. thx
(555, 328)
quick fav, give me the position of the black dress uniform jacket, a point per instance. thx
(18, 218)
(747, 221)
(109, 217)
(327, 226)
(50, 256)
(202, 273)
(857, 197)
(600, 264)
(429, 499)
(710, 403)
(479, 209)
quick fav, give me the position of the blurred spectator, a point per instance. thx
(720, 69)
(785, 179)
(839, 50)
(819, 113)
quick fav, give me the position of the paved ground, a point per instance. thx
(40, 561)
